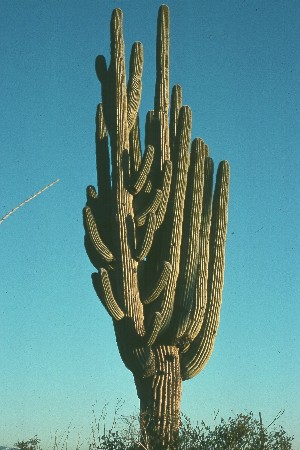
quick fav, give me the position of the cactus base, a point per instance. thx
(160, 397)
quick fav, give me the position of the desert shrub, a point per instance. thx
(240, 432)
(31, 444)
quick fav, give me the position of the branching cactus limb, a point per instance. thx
(155, 232)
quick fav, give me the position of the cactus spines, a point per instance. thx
(156, 232)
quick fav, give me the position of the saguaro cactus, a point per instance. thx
(155, 232)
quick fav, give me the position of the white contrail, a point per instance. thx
(28, 200)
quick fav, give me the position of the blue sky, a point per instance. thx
(238, 64)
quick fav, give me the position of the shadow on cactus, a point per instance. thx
(155, 232)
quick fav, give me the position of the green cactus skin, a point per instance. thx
(155, 232)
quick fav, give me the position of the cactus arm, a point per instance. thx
(101, 68)
(149, 129)
(176, 209)
(99, 207)
(197, 314)
(159, 285)
(134, 89)
(201, 348)
(143, 249)
(161, 100)
(143, 173)
(103, 289)
(98, 212)
(103, 75)
(102, 157)
(92, 254)
(154, 328)
(126, 266)
(185, 291)
(176, 104)
(117, 75)
(150, 140)
(166, 186)
(162, 61)
(152, 206)
(92, 231)
(91, 196)
(135, 147)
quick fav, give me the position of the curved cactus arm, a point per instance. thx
(93, 234)
(143, 173)
(93, 255)
(103, 289)
(176, 104)
(201, 348)
(185, 291)
(134, 88)
(166, 186)
(143, 249)
(159, 285)
(152, 206)
(154, 328)
(173, 230)
(161, 100)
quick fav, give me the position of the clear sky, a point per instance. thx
(238, 63)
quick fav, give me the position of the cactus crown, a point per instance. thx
(156, 229)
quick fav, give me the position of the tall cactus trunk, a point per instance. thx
(156, 233)
(160, 397)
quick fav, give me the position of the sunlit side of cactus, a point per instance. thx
(155, 232)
